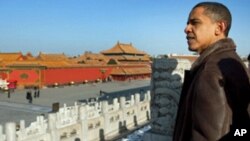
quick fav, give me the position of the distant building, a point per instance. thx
(53, 60)
(126, 54)
(122, 62)
(16, 67)
(131, 62)
(47, 70)
(90, 59)
(127, 62)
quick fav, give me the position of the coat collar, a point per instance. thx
(223, 44)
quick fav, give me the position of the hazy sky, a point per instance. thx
(75, 26)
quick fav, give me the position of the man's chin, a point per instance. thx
(192, 49)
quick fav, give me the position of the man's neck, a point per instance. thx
(211, 45)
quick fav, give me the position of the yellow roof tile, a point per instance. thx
(131, 71)
(121, 48)
(52, 57)
(10, 56)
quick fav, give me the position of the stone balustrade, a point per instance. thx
(84, 122)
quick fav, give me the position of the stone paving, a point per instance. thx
(17, 107)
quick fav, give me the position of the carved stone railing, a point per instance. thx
(98, 121)
(166, 84)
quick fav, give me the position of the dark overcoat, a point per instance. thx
(215, 96)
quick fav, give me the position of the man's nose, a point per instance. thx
(187, 29)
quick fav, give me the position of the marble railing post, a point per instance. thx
(84, 122)
(22, 125)
(122, 102)
(10, 129)
(137, 98)
(166, 85)
(122, 108)
(115, 103)
(132, 99)
(52, 127)
(22, 129)
(1, 133)
(148, 95)
(105, 116)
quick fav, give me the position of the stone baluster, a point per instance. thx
(22, 125)
(52, 127)
(115, 100)
(122, 102)
(76, 107)
(148, 95)
(22, 129)
(40, 120)
(10, 128)
(123, 109)
(104, 106)
(1, 133)
(105, 116)
(132, 100)
(137, 98)
(116, 104)
(84, 123)
(64, 107)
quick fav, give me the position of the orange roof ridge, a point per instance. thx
(52, 56)
(123, 48)
(119, 45)
(10, 56)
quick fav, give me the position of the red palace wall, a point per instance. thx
(43, 77)
(25, 76)
(66, 75)
(3, 75)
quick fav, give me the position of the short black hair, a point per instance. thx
(217, 12)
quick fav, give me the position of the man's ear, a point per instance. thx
(221, 27)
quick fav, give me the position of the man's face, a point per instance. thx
(200, 30)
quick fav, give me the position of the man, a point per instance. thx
(216, 91)
(29, 96)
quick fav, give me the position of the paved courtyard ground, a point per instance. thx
(17, 106)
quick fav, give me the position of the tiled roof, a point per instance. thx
(129, 58)
(138, 58)
(54, 64)
(24, 63)
(113, 61)
(121, 48)
(91, 58)
(10, 59)
(117, 57)
(131, 71)
(30, 57)
(1, 64)
(94, 62)
(52, 57)
(10, 56)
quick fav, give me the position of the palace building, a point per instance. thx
(131, 62)
(121, 62)
(127, 54)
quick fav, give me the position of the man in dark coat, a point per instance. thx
(216, 91)
(29, 96)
